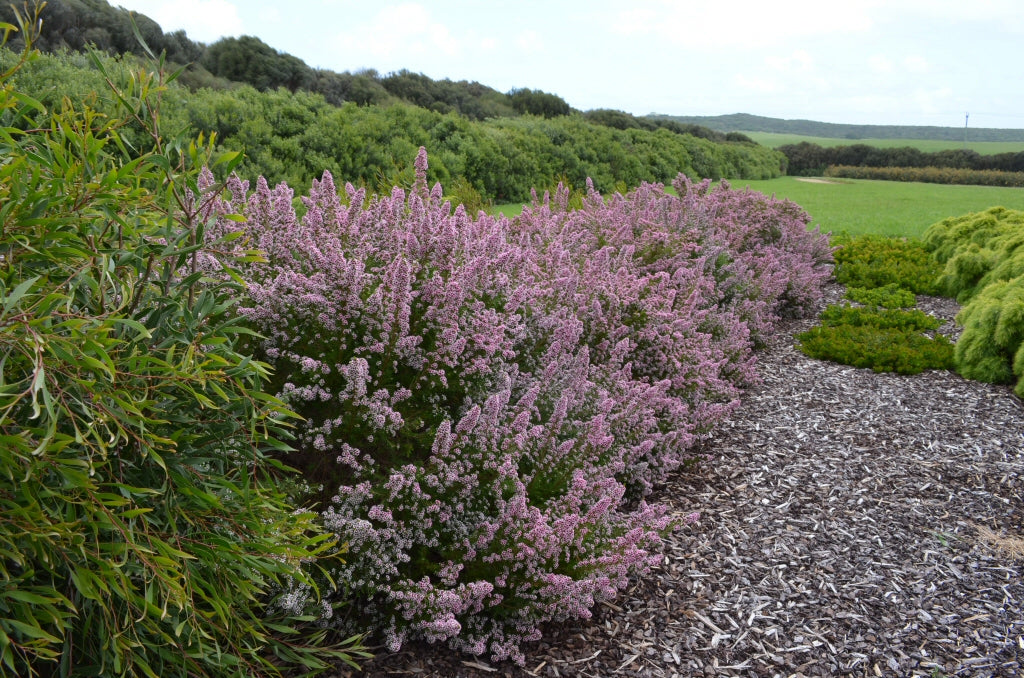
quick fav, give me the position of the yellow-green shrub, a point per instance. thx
(991, 347)
(887, 296)
(884, 341)
(872, 261)
(977, 249)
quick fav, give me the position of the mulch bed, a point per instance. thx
(853, 524)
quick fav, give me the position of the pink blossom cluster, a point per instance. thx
(486, 402)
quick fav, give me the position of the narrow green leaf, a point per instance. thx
(17, 293)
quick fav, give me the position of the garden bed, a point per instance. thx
(853, 523)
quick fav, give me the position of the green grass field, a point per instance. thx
(857, 206)
(774, 140)
(892, 208)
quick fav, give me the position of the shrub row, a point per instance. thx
(293, 137)
(809, 159)
(929, 175)
(486, 402)
(983, 254)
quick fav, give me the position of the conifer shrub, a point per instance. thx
(872, 261)
(983, 253)
(884, 341)
(880, 349)
(144, 531)
(486, 403)
(991, 348)
(912, 320)
(887, 296)
(977, 249)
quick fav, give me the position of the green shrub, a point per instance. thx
(888, 340)
(143, 530)
(874, 261)
(887, 296)
(881, 349)
(991, 348)
(888, 319)
(978, 249)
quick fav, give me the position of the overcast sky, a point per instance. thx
(899, 62)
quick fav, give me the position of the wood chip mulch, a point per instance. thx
(853, 524)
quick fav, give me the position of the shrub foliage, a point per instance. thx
(143, 532)
(487, 403)
(983, 254)
(887, 296)
(978, 249)
(930, 175)
(874, 261)
(886, 334)
(882, 349)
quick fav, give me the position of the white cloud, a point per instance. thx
(742, 22)
(203, 20)
(915, 64)
(880, 64)
(799, 60)
(530, 42)
(760, 85)
(399, 33)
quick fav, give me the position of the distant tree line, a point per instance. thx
(930, 175)
(811, 128)
(807, 159)
(623, 120)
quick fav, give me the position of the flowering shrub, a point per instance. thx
(486, 402)
(672, 293)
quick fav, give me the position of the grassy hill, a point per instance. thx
(743, 122)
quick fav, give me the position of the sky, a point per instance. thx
(881, 62)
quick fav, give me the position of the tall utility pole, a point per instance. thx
(966, 116)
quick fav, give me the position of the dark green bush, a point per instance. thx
(887, 296)
(874, 261)
(143, 530)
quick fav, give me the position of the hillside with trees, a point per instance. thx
(292, 122)
(743, 122)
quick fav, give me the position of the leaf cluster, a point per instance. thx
(143, 531)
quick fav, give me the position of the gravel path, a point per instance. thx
(853, 524)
